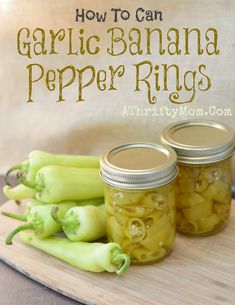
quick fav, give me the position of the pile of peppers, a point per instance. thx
(64, 193)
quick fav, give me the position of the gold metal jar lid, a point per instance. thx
(200, 141)
(138, 165)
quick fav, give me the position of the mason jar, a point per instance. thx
(204, 183)
(140, 199)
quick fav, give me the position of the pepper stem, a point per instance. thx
(59, 220)
(28, 226)
(121, 260)
(17, 176)
(12, 169)
(27, 183)
(22, 217)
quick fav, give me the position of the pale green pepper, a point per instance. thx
(38, 159)
(56, 184)
(18, 192)
(87, 223)
(94, 257)
(23, 217)
(39, 220)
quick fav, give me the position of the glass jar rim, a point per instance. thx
(164, 170)
(217, 141)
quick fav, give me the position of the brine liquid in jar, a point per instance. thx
(140, 199)
(203, 197)
(142, 222)
(204, 183)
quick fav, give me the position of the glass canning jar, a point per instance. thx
(204, 183)
(140, 199)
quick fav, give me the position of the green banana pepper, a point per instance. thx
(87, 223)
(18, 192)
(32, 203)
(39, 220)
(94, 257)
(56, 184)
(23, 217)
(38, 159)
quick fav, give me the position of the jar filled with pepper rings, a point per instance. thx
(140, 199)
(204, 183)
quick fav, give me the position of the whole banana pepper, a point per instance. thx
(18, 192)
(57, 183)
(39, 220)
(82, 223)
(38, 159)
(94, 257)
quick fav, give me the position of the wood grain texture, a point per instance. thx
(199, 271)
